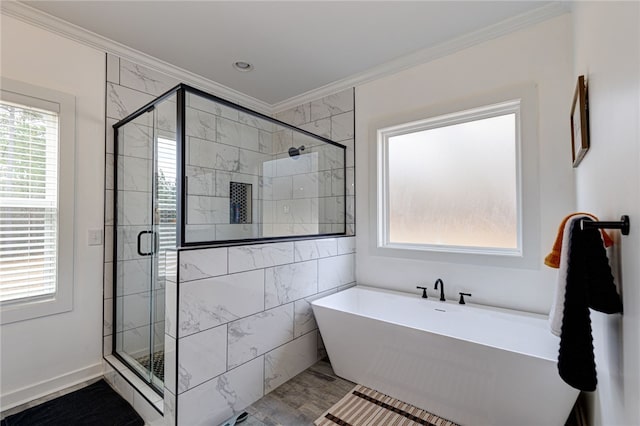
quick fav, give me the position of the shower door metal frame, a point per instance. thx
(146, 109)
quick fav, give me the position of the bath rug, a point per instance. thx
(94, 405)
(363, 406)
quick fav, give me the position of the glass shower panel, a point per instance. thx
(249, 177)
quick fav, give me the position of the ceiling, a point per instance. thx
(294, 46)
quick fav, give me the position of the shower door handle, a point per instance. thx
(153, 247)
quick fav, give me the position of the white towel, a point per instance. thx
(557, 304)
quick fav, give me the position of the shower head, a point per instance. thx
(294, 152)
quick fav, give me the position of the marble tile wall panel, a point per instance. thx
(215, 401)
(265, 142)
(255, 121)
(332, 105)
(296, 116)
(135, 310)
(342, 127)
(212, 155)
(170, 363)
(304, 321)
(257, 256)
(336, 271)
(203, 356)
(212, 107)
(346, 245)
(282, 140)
(314, 249)
(171, 309)
(169, 413)
(146, 410)
(200, 233)
(204, 263)
(135, 174)
(251, 162)
(135, 209)
(210, 302)
(289, 360)
(144, 79)
(122, 101)
(135, 140)
(319, 127)
(286, 283)
(135, 341)
(253, 336)
(134, 276)
(202, 210)
(237, 134)
(337, 182)
(201, 181)
(200, 124)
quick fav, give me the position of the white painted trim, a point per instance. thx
(65, 29)
(43, 20)
(543, 13)
(47, 387)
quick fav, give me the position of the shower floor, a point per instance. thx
(154, 362)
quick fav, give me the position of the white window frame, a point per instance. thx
(483, 112)
(65, 104)
(528, 187)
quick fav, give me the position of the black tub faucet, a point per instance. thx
(442, 299)
(424, 291)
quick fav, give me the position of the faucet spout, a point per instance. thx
(439, 281)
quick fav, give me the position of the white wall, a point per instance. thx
(540, 54)
(45, 354)
(607, 51)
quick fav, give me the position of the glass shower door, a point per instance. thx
(135, 244)
(145, 229)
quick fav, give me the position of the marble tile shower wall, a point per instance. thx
(244, 322)
(252, 301)
(331, 117)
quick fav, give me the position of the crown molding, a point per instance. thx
(63, 28)
(422, 56)
(73, 32)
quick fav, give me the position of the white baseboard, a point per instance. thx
(46, 387)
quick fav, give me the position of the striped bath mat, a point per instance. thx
(363, 406)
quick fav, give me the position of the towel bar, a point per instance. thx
(623, 225)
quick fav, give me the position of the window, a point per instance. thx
(452, 183)
(36, 201)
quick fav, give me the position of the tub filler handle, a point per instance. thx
(424, 292)
(462, 295)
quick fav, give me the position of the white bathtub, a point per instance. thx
(470, 364)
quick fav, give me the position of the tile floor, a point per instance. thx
(301, 400)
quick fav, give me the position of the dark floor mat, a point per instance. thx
(95, 405)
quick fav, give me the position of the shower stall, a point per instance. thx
(192, 171)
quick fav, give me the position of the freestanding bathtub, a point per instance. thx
(470, 364)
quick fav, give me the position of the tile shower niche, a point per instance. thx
(226, 221)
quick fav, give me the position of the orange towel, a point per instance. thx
(553, 259)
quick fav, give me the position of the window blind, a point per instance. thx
(28, 201)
